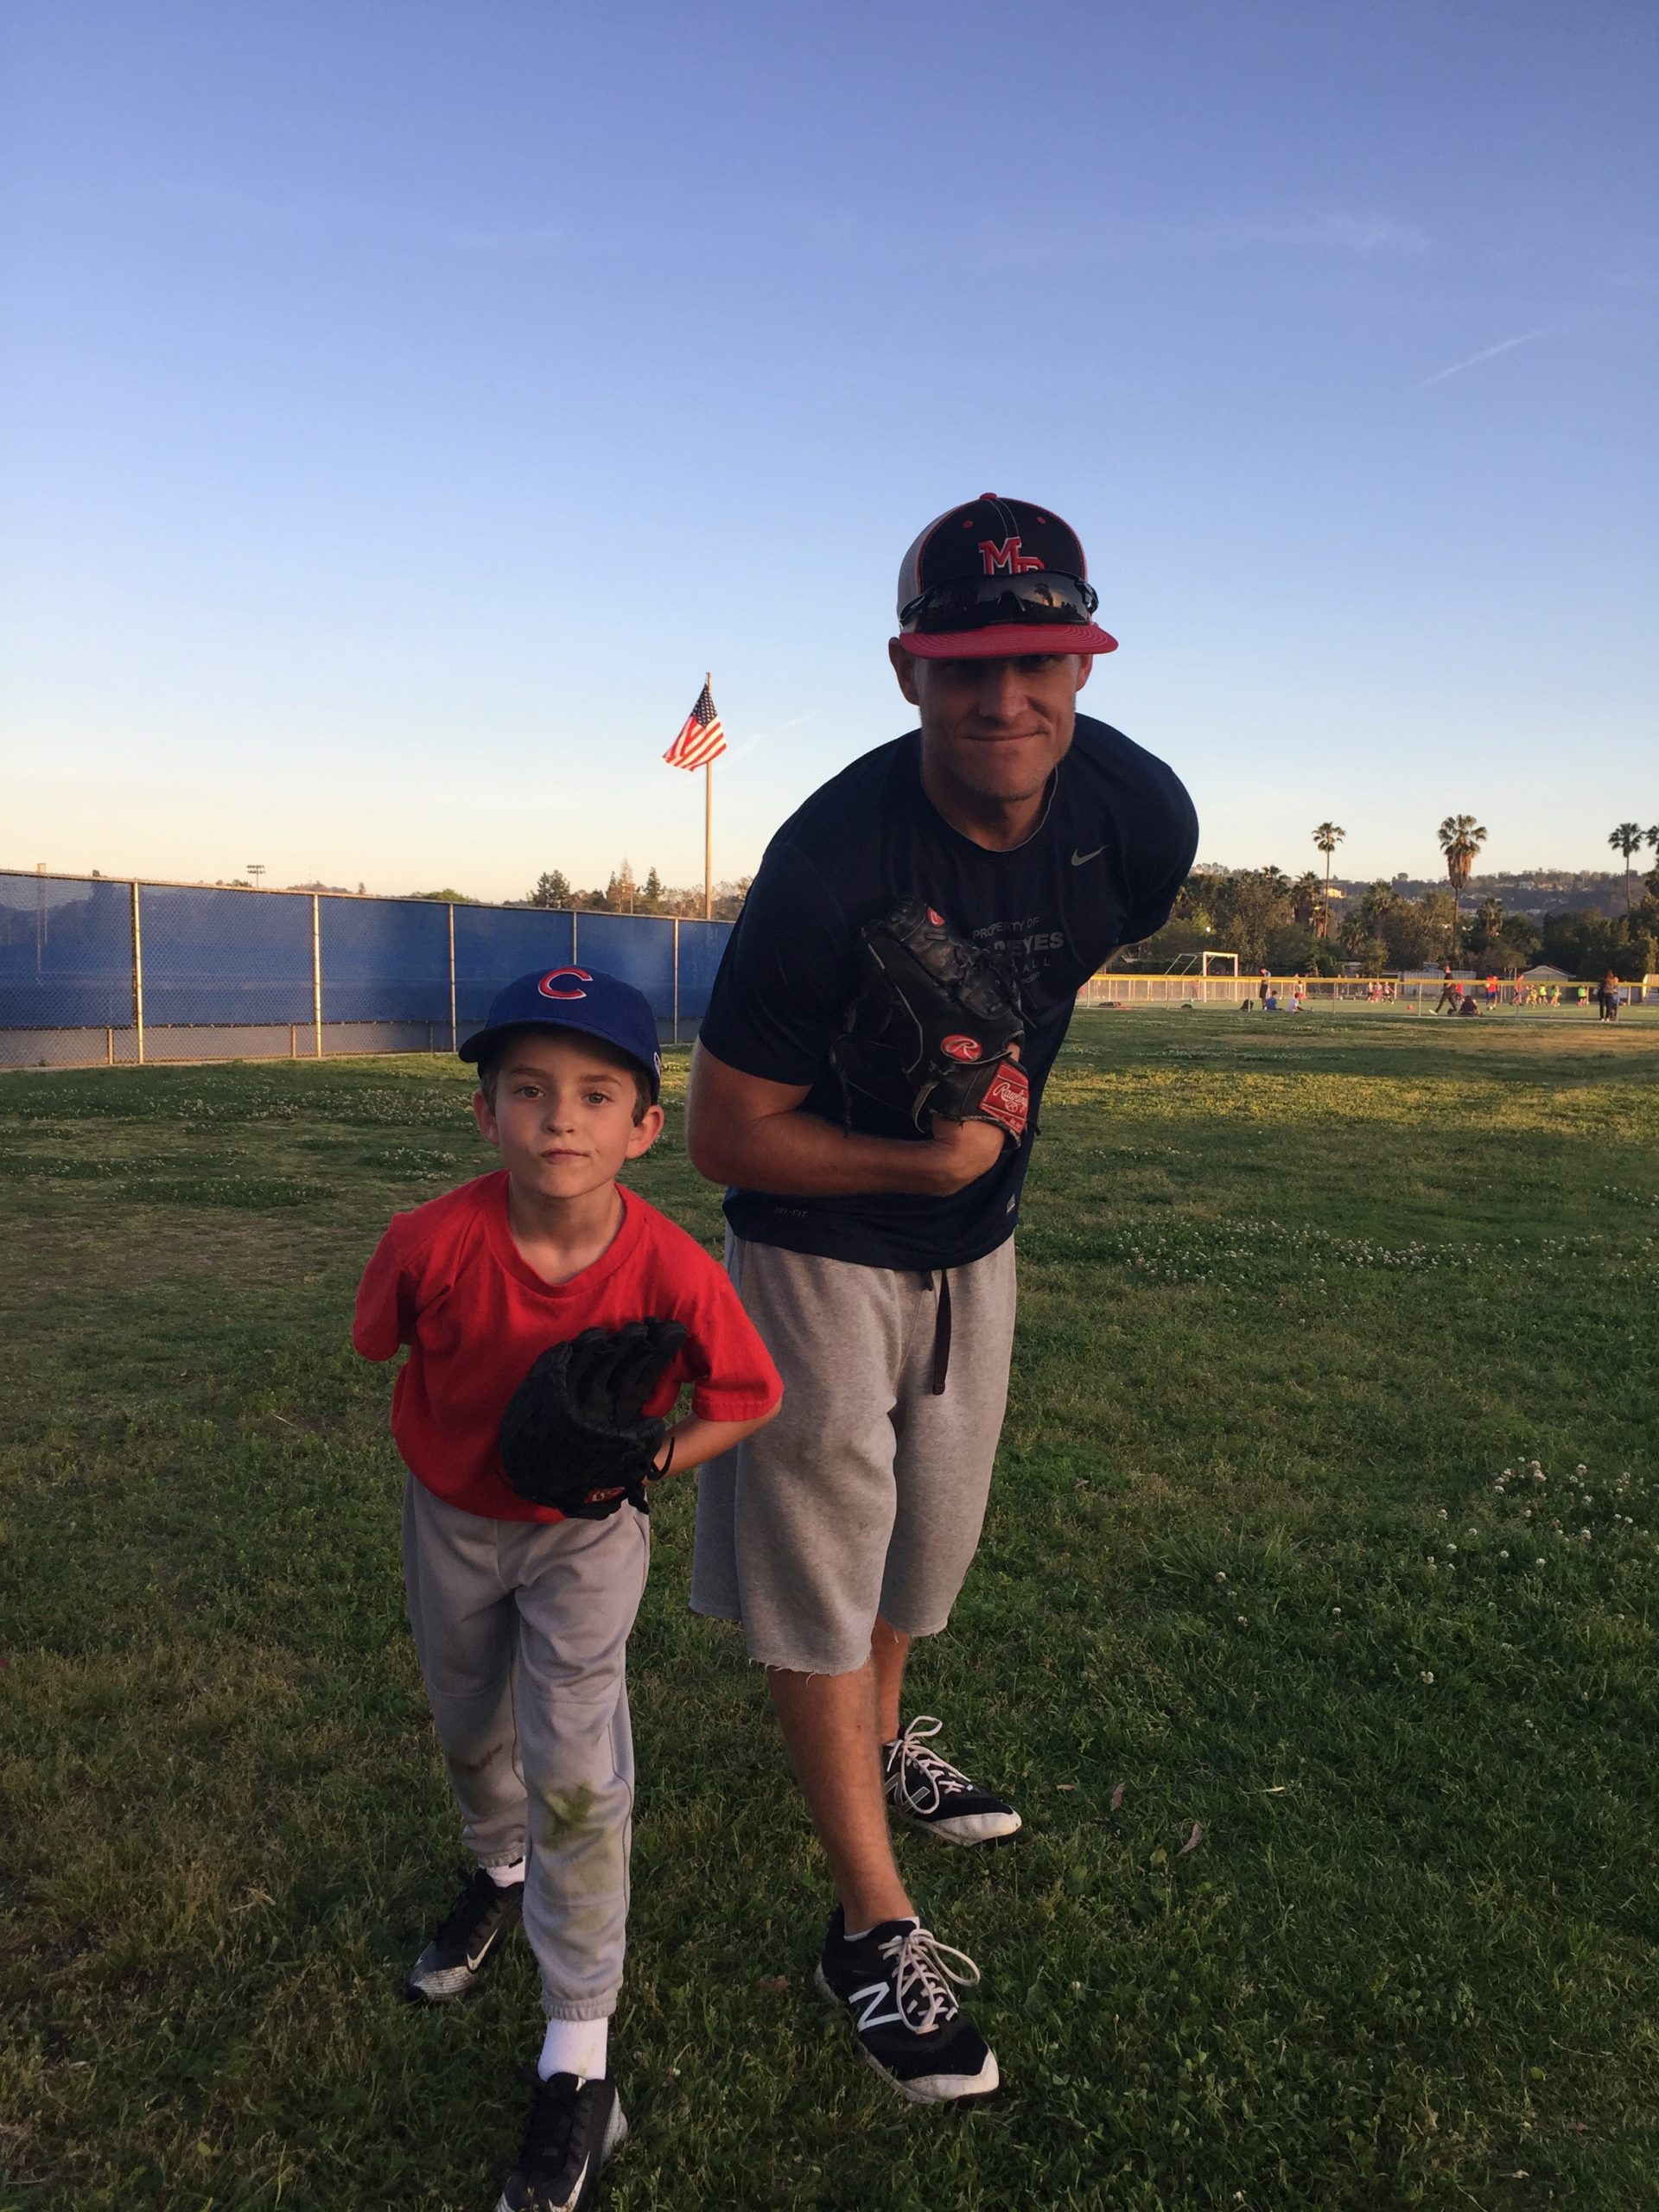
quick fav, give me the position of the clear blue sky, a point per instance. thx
(402, 404)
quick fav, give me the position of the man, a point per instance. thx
(1451, 991)
(875, 1260)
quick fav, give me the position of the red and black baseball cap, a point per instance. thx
(994, 578)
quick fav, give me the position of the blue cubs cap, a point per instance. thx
(575, 998)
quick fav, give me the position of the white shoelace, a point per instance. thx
(912, 1755)
(923, 1974)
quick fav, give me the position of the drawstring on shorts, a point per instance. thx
(941, 1331)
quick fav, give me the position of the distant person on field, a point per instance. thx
(1609, 996)
(1491, 992)
(876, 1255)
(1264, 987)
(521, 1616)
(1451, 992)
(1468, 1003)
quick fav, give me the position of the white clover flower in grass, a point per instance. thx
(1427, 1675)
(1451, 1548)
(1537, 1562)
(1503, 1555)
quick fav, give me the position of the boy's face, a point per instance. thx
(562, 1118)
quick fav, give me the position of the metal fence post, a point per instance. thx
(316, 970)
(573, 935)
(677, 979)
(454, 1035)
(137, 977)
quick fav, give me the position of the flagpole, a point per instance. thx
(709, 824)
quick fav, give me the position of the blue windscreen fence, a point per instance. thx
(386, 960)
(66, 946)
(97, 969)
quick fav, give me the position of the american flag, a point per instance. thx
(701, 739)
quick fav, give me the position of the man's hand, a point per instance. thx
(741, 1129)
(959, 1152)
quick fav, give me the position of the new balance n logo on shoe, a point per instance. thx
(872, 1998)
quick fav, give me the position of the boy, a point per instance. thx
(521, 1616)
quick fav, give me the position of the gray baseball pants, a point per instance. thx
(521, 1629)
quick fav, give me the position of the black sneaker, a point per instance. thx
(896, 1983)
(937, 1797)
(485, 1911)
(573, 2128)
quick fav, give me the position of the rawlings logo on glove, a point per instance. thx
(934, 1027)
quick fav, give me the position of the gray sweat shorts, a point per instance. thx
(867, 1494)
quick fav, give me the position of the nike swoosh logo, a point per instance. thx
(1078, 859)
(475, 1959)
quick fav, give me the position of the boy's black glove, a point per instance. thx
(573, 1436)
(933, 1026)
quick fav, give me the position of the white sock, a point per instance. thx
(858, 1935)
(504, 1876)
(575, 2047)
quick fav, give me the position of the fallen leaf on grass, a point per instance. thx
(1192, 1841)
(1117, 1796)
(776, 1982)
(1066, 1785)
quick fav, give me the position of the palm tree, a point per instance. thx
(1327, 837)
(1461, 837)
(1305, 900)
(1627, 839)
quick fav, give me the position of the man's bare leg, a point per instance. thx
(889, 1648)
(829, 1724)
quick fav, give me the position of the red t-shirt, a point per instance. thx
(448, 1281)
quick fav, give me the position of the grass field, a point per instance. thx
(1323, 1533)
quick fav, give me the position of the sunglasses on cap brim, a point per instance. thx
(1041, 598)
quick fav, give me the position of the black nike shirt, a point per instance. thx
(1102, 868)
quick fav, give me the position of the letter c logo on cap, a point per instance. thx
(549, 986)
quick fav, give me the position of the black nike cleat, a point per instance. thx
(452, 1962)
(573, 2129)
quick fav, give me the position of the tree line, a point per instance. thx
(623, 894)
(1275, 920)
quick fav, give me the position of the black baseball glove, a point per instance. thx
(573, 1436)
(933, 1026)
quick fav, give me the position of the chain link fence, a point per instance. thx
(104, 970)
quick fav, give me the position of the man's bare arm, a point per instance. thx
(741, 1129)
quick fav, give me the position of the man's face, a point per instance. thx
(993, 728)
